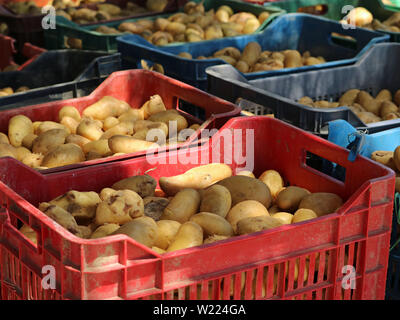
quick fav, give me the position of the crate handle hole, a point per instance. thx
(325, 166)
(344, 40)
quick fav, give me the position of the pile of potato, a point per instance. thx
(253, 59)
(8, 90)
(106, 128)
(108, 11)
(363, 18)
(203, 205)
(369, 109)
(192, 25)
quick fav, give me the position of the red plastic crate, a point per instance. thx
(135, 87)
(7, 52)
(118, 267)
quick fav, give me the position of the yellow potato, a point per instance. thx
(167, 230)
(142, 229)
(63, 155)
(110, 122)
(387, 107)
(321, 203)
(246, 173)
(384, 95)
(99, 146)
(27, 142)
(131, 115)
(396, 157)
(22, 152)
(293, 59)
(126, 144)
(273, 180)
(77, 139)
(170, 117)
(143, 185)
(216, 199)
(61, 216)
(7, 150)
(215, 238)
(245, 209)
(154, 207)
(289, 198)
(49, 140)
(190, 234)
(28, 232)
(120, 207)
(69, 111)
(273, 209)
(257, 223)
(182, 206)
(123, 128)
(153, 106)
(213, 224)
(4, 138)
(245, 188)
(385, 158)
(18, 127)
(251, 53)
(32, 160)
(251, 25)
(197, 178)
(106, 107)
(106, 193)
(89, 129)
(303, 215)
(284, 217)
(49, 125)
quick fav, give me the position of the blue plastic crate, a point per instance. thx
(292, 31)
(58, 75)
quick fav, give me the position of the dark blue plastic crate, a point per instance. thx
(292, 31)
(377, 69)
(58, 75)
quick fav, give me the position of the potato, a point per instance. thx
(250, 53)
(7, 150)
(321, 203)
(28, 232)
(82, 205)
(126, 144)
(200, 177)
(182, 206)
(385, 158)
(190, 234)
(161, 24)
(132, 27)
(292, 59)
(89, 129)
(303, 215)
(49, 140)
(32, 160)
(22, 152)
(222, 15)
(167, 230)
(242, 66)
(284, 217)
(384, 95)
(368, 117)
(27, 142)
(169, 116)
(110, 122)
(216, 199)
(106, 107)
(18, 127)
(120, 207)
(106, 193)
(158, 250)
(63, 155)
(77, 139)
(251, 25)
(306, 101)
(289, 199)
(123, 128)
(396, 157)
(273, 180)
(359, 16)
(245, 209)
(215, 238)
(99, 146)
(386, 108)
(69, 111)
(143, 185)
(246, 173)
(273, 209)
(397, 184)
(131, 115)
(228, 51)
(175, 28)
(49, 125)
(396, 98)
(143, 230)
(263, 16)
(255, 224)
(61, 216)
(213, 224)
(373, 106)
(245, 188)
(154, 207)
(4, 138)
